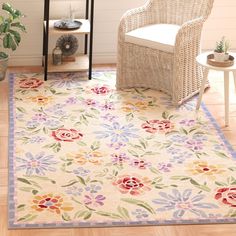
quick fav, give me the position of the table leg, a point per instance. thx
(234, 73)
(226, 85)
(205, 74)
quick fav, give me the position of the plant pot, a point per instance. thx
(226, 56)
(219, 56)
(3, 68)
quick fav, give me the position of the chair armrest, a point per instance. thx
(189, 32)
(136, 18)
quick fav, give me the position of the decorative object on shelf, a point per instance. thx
(68, 44)
(57, 56)
(10, 38)
(221, 50)
(211, 61)
(67, 24)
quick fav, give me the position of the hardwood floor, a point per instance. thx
(213, 98)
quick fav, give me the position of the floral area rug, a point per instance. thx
(82, 154)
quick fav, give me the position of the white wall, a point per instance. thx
(107, 14)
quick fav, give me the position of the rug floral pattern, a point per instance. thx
(89, 155)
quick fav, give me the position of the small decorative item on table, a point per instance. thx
(211, 61)
(57, 56)
(221, 57)
(221, 50)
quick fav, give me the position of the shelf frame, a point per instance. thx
(88, 45)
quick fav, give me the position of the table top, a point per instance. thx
(202, 60)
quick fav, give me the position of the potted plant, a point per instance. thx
(10, 26)
(221, 50)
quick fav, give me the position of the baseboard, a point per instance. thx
(98, 58)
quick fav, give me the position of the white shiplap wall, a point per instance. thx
(222, 21)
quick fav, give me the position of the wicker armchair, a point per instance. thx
(169, 66)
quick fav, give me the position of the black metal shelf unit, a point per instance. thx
(88, 45)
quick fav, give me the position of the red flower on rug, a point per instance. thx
(153, 126)
(50, 202)
(134, 185)
(30, 83)
(101, 90)
(227, 196)
(66, 135)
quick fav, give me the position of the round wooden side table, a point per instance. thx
(202, 61)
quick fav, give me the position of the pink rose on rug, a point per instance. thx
(134, 185)
(153, 126)
(101, 90)
(66, 135)
(227, 196)
(30, 83)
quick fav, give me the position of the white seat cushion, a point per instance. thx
(157, 36)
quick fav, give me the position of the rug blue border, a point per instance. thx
(218, 129)
(11, 184)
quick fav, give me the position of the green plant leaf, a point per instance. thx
(3, 55)
(8, 42)
(124, 212)
(4, 27)
(24, 181)
(139, 203)
(14, 13)
(16, 36)
(108, 214)
(19, 26)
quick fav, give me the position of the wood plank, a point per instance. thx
(81, 63)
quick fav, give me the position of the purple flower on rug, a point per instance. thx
(107, 106)
(187, 122)
(200, 137)
(71, 100)
(180, 157)
(37, 139)
(74, 190)
(93, 188)
(194, 145)
(173, 150)
(178, 138)
(164, 167)
(52, 124)
(80, 171)
(39, 117)
(32, 124)
(36, 165)
(117, 132)
(117, 145)
(55, 107)
(140, 214)
(182, 202)
(119, 159)
(109, 117)
(91, 200)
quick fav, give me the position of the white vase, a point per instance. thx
(219, 56)
(226, 56)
